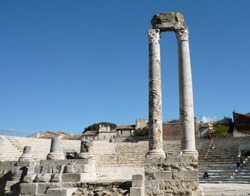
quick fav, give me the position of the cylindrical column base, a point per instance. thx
(156, 153)
(190, 152)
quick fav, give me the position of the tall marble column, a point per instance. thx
(185, 93)
(155, 98)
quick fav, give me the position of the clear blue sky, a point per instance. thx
(65, 65)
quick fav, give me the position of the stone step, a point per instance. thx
(60, 191)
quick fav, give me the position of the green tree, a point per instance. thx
(95, 126)
(174, 121)
(222, 128)
(141, 132)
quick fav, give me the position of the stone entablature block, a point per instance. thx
(168, 21)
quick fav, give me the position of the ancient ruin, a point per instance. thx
(176, 175)
(32, 166)
(162, 23)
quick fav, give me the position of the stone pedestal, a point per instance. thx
(177, 175)
(155, 98)
(86, 149)
(26, 156)
(56, 150)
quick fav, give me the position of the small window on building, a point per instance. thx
(131, 132)
(86, 137)
(104, 137)
(119, 132)
(113, 136)
(93, 137)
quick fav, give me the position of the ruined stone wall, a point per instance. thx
(103, 188)
(13, 171)
(173, 176)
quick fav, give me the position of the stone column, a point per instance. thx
(56, 150)
(185, 93)
(26, 156)
(155, 99)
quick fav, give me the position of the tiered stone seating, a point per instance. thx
(105, 153)
(39, 147)
(132, 154)
(172, 146)
(203, 146)
(10, 151)
(72, 145)
(220, 163)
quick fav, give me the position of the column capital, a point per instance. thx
(154, 36)
(182, 34)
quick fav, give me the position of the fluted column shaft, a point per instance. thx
(155, 98)
(185, 93)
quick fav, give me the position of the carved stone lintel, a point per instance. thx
(182, 34)
(168, 21)
(154, 36)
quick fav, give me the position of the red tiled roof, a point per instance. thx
(241, 121)
(71, 137)
(61, 133)
(90, 133)
(126, 127)
(49, 135)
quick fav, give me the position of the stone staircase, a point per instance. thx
(173, 147)
(39, 147)
(203, 146)
(132, 154)
(105, 153)
(220, 162)
(10, 151)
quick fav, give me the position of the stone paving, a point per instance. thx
(226, 189)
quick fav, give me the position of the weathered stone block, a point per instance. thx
(57, 168)
(168, 21)
(71, 177)
(137, 191)
(29, 178)
(86, 176)
(60, 191)
(69, 169)
(81, 168)
(164, 175)
(46, 169)
(138, 180)
(17, 173)
(186, 175)
(56, 178)
(11, 186)
(43, 177)
(28, 188)
(43, 187)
